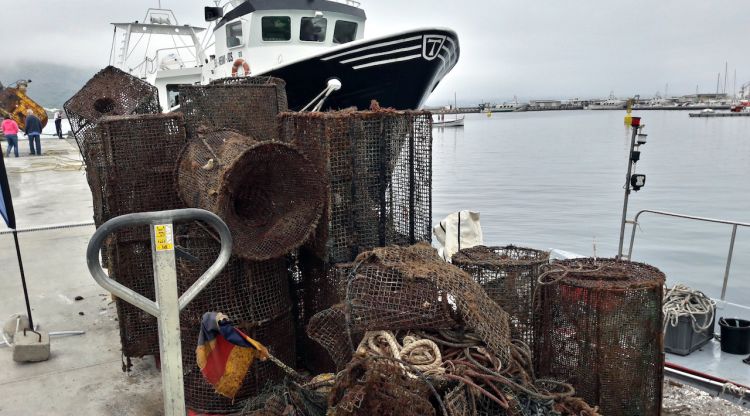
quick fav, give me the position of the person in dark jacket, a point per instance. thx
(33, 132)
(58, 124)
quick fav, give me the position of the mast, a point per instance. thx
(726, 68)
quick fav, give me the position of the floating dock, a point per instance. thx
(742, 114)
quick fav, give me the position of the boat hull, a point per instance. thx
(449, 123)
(398, 71)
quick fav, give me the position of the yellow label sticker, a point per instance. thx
(164, 240)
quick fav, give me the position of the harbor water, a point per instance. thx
(555, 179)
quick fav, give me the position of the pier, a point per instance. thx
(727, 114)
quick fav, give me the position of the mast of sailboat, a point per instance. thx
(726, 69)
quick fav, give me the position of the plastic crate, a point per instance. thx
(682, 339)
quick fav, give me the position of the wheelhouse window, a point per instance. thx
(173, 94)
(234, 34)
(313, 29)
(276, 28)
(344, 32)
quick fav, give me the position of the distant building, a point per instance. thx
(546, 103)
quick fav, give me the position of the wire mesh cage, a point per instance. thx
(268, 193)
(323, 285)
(409, 288)
(509, 276)
(379, 169)
(254, 295)
(110, 92)
(137, 155)
(600, 329)
(248, 105)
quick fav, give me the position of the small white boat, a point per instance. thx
(458, 122)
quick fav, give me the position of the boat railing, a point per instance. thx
(734, 224)
(149, 66)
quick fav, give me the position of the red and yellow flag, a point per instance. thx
(225, 353)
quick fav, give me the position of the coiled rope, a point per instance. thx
(681, 301)
(423, 354)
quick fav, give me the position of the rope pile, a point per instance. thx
(423, 354)
(681, 301)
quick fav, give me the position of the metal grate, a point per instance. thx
(509, 276)
(268, 193)
(600, 329)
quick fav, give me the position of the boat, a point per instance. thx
(456, 122)
(611, 103)
(316, 46)
(509, 107)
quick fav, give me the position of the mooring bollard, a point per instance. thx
(167, 306)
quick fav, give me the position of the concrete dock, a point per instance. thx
(84, 374)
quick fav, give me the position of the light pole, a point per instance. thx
(632, 181)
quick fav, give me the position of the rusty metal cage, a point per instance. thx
(136, 155)
(268, 193)
(254, 295)
(408, 288)
(600, 329)
(379, 169)
(509, 276)
(111, 92)
(248, 105)
(321, 286)
(378, 166)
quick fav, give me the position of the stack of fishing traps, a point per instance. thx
(332, 268)
(378, 166)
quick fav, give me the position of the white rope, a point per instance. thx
(734, 389)
(422, 354)
(681, 301)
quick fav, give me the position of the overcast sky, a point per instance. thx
(533, 49)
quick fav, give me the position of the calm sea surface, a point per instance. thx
(555, 180)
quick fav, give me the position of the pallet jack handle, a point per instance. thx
(167, 306)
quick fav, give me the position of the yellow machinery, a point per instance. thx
(14, 103)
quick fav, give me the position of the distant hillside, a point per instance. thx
(52, 84)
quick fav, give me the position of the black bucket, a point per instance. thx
(735, 335)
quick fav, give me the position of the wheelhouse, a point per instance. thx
(269, 33)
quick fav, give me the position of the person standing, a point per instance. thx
(33, 132)
(58, 124)
(10, 131)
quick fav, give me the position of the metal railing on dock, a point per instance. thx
(734, 225)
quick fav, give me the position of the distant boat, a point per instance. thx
(458, 122)
(611, 103)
